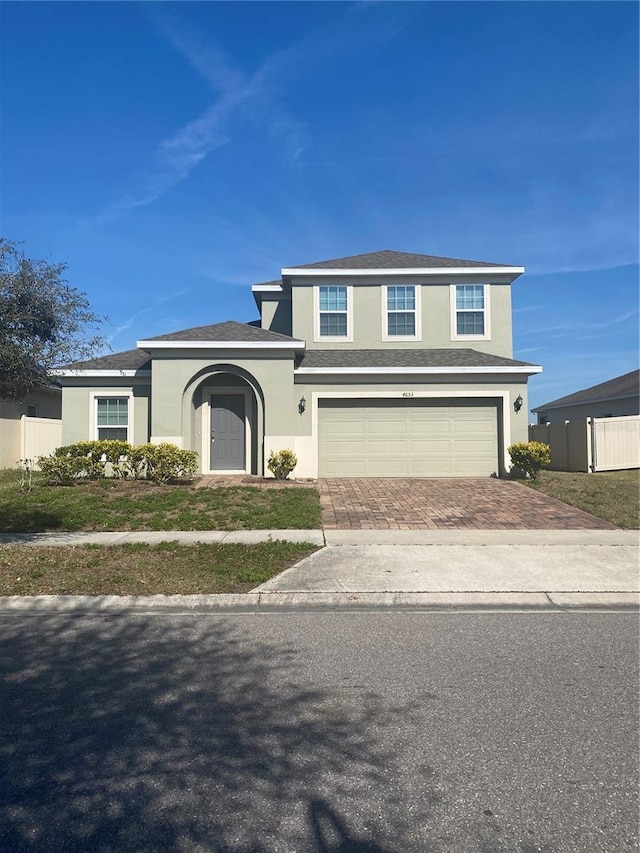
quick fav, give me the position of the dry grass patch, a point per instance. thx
(612, 495)
(139, 569)
(135, 505)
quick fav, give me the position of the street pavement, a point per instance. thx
(291, 732)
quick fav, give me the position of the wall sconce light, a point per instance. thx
(302, 405)
(517, 403)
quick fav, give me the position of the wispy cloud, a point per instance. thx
(238, 95)
(580, 326)
(131, 320)
(526, 308)
(254, 98)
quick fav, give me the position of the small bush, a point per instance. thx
(162, 463)
(282, 463)
(530, 457)
(96, 455)
(63, 470)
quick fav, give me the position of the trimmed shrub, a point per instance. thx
(63, 470)
(96, 455)
(530, 457)
(91, 460)
(282, 463)
(162, 463)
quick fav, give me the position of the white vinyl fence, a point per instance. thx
(591, 445)
(39, 436)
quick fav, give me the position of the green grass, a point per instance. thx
(136, 569)
(118, 505)
(612, 495)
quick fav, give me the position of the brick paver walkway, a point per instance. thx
(413, 504)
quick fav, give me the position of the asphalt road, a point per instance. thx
(320, 733)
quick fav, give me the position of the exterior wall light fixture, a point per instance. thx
(302, 405)
(517, 403)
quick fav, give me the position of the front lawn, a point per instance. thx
(612, 495)
(135, 505)
(136, 569)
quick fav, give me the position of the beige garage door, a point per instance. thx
(424, 438)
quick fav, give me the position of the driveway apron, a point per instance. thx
(446, 504)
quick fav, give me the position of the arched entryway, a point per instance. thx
(225, 412)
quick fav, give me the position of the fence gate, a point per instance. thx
(615, 443)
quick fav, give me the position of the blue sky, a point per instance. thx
(175, 153)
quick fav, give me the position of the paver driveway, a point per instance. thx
(410, 504)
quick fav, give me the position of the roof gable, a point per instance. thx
(228, 332)
(405, 358)
(626, 385)
(389, 259)
(132, 359)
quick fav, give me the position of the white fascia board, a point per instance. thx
(266, 288)
(421, 271)
(528, 370)
(100, 372)
(159, 345)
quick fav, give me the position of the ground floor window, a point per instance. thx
(112, 418)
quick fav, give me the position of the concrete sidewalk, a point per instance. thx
(429, 570)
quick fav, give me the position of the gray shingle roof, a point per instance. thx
(132, 359)
(388, 259)
(626, 385)
(230, 331)
(406, 358)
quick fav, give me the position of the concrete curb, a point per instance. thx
(154, 537)
(319, 537)
(269, 602)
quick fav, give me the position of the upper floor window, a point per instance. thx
(333, 311)
(112, 418)
(401, 312)
(470, 311)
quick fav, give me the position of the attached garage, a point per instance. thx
(418, 438)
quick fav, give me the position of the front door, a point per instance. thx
(227, 432)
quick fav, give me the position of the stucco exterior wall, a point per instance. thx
(276, 314)
(368, 314)
(614, 408)
(78, 410)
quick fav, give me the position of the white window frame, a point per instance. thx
(317, 337)
(101, 395)
(454, 312)
(417, 289)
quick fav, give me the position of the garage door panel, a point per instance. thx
(422, 439)
(342, 427)
(386, 467)
(436, 449)
(389, 427)
(345, 449)
(388, 447)
(432, 468)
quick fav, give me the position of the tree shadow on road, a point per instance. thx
(141, 735)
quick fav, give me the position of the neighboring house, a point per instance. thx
(380, 365)
(42, 403)
(612, 399)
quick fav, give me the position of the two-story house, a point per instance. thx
(387, 364)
